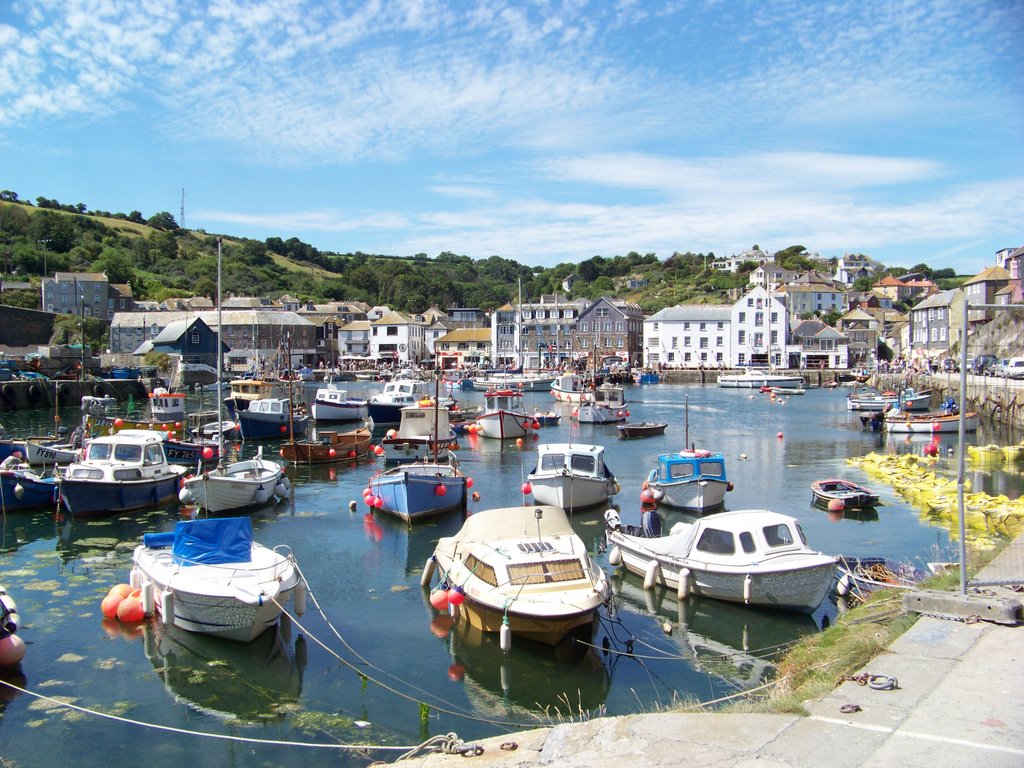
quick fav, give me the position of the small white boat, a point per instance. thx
(242, 485)
(788, 390)
(750, 556)
(165, 405)
(571, 476)
(604, 405)
(904, 400)
(569, 388)
(523, 572)
(503, 417)
(527, 382)
(209, 576)
(755, 378)
(386, 407)
(39, 454)
(336, 405)
(929, 423)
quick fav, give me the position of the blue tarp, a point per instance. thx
(213, 541)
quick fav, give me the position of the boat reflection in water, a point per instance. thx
(248, 682)
(532, 679)
(735, 643)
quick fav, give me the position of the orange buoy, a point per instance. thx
(110, 604)
(835, 505)
(130, 609)
(439, 599)
(456, 672)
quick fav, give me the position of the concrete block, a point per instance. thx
(1001, 610)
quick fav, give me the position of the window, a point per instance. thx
(742, 317)
(778, 535)
(747, 542)
(703, 326)
(482, 570)
(719, 341)
(545, 572)
(759, 318)
(654, 327)
(741, 337)
(583, 327)
(716, 542)
(703, 342)
(195, 337)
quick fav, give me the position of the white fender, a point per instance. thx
(651, 574)
(262, 494)
(285, 482)
(843, 585)
(185, 495)
(280, 491)
(615, 556)
(683, 588)
(167, 607)
(505, 638)
(299, 597)
(748, 583)
(19, 491)
(147, 597)
(135, 578)
(428, 573)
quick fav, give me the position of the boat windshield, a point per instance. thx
(716, 542)
(778, 535)
(583, 464)
(552, 461)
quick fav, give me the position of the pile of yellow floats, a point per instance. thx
(935, 495)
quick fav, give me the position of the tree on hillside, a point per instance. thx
(14, 220)
(116, 264)
(163, 220)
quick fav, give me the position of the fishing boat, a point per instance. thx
(123, 472)
(420, 489)
(641, 429)
(271, 417)
(336, 405)
(386, 407)
(503, 417)
(522, 571)
(842, 494)
(192, 452)
(42, 454)
(929, 423)
(329, 447)
(527, 382)
(244, 392)
(571, 476)
(422, 432)
(569, 388)
(241, 485)
(166, 406)
(752, 556)
(904, 400)
(209, 576)
(21, 487)
(604, 405)
(755, 378)
(690, 479)
(646, 376)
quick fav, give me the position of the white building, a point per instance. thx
(688, 336)
(354, 339)
(397, 338)
(852, 266)
(760, 329)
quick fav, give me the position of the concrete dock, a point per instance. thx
(959, 701)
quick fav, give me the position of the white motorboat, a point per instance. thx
(604, 405)
(527, 382)
(209, 576)
(904, 400)
(569, 388)
(522, 571)
(386, 407)
(241, 485)
(336, 405)
(503, 417)
(755, 378)
(690, 479)
(167, 406)
(751, 556)
(571, 476)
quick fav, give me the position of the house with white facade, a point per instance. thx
(759, 325)
(505, 337)
(397, 338)
(817, 345)
(852, 267)
(688, 336)
(546, 332)
(770, 274)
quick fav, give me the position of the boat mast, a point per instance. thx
(291, 422)
(437, 404)
(220, 360)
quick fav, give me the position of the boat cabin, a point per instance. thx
(690, 465)
(131, 454)
(577, 460)
(504, 400)
(746, 535)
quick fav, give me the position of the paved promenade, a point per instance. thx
(960, 701)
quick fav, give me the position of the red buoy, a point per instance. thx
(439, 599)
(527, 488)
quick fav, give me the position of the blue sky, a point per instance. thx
(544, 132)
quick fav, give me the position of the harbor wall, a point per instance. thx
(995, 399)
(22, 395)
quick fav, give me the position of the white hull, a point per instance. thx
(758, 379)
(232, 601)
(339, 413)
(588, 413)
(690, 495)
(241, 485)
(924, 425)
(37, 454)
(504, 425)
(570, 492)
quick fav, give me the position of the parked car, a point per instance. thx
(1014, 368)
(983, 364)
(950, 365)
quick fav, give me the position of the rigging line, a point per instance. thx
(174, 729)
(449, 709)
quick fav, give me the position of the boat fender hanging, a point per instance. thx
(299, 597)
(262, 494)
(280, 491)
(615, 556)
(748, 583)
(147, 597)
(185, 495)
(167, 607)
(651, 574)
(683, 588)
(505, 637)
(428, 572)
(843, 585)
(135, 578)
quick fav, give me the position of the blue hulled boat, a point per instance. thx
(692, 479)
(21, 488)
(123, 472)
(419, 490)
(271, 417)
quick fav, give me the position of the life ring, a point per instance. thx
(99, 390)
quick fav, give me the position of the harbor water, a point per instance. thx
(370, 664)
